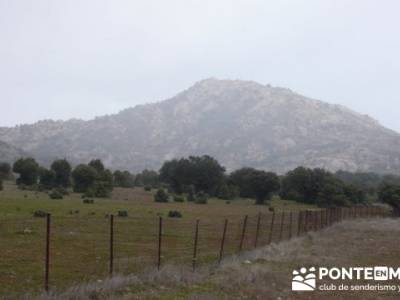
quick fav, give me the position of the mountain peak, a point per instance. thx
(241, 123)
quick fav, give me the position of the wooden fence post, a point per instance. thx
(111, 244)
(196, 237)
(160, 227)
(221, 251)
(243, 233)
(271, 231)
(290, 224)
(47, 260)
(257, 230)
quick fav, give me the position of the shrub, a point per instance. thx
(179, 198)
(90, 193)
(174, 214)
(161, 196)
(191, 197)
(63, 191)
(201, 198)
(55, 195)
(147, 188)
(122, 213)
(88, 201)
(40, 214)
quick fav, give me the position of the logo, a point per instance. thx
(304, 280)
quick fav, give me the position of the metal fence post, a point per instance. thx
(159, 242)
(281, 229)
(111, 244)
(47, 261)
(271, 232)
(299, 222)
(196, 236)
(257, 230)
(221, 250)
(243, 233)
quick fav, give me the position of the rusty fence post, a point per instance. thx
(243, 233)
(221, 250)
(290, 224)
(281, 228)
(271, 231)
(257, 230)
(196, 237)
(111, 245)
(47, 259)
(160, 228)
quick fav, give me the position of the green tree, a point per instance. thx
(47, 178)
(390, 194)
(5, 170)
(147, 178)
(203, 172)
(97, 164)
(103, 185)
(161, 196)
(62, 170)
(28, 170)
(317, 186)
(123, 179)
(84, 177)
(256, 184)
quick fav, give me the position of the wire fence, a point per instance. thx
(56, 252)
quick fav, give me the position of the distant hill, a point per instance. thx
(241, 123)
(9, 153)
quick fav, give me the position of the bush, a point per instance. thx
(174, 214)
(122, 213)
(40, 214)
(179, 198)
(147, 188)
(201, 198)
(161, 196)
(63, 191)
(88, 201)
(90, 193)
(55, 195)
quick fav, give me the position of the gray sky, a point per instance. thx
(77, 58)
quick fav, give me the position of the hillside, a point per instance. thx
(9, 153)
(240, 123)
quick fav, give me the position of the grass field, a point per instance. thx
(265, 273)
(80, 234)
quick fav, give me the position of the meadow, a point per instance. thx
(80, 234)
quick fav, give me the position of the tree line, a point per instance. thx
(204, 176)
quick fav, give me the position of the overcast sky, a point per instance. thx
(64, 59)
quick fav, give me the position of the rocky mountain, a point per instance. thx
(10, 153)
(240, 123)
